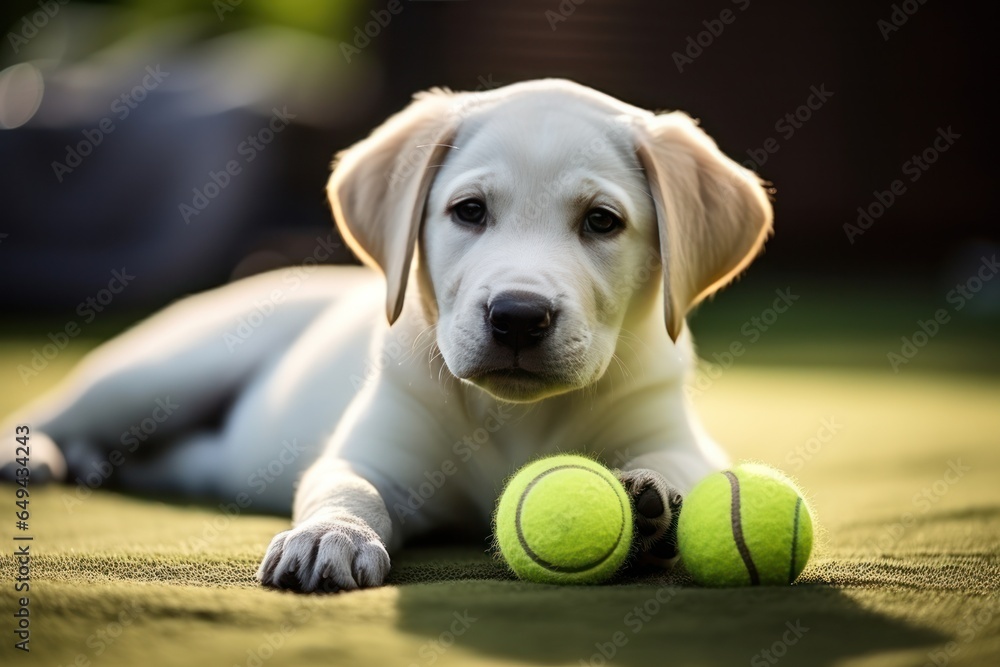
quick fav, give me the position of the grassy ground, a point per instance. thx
(901, 468)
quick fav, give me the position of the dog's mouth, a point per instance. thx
(509, 373)
(523, 375)
(517, 384)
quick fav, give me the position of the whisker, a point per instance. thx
(623, 367)
(627, 337)
(417, 347)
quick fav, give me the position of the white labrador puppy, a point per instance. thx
(541, 245)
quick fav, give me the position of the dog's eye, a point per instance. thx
(601, 221)
(470, 211)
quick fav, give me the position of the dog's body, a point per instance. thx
(562, 235)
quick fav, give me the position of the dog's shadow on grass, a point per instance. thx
(461, 600)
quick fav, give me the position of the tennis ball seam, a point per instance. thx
(737, 521)
(741, 545)
(538, 560)
(795, 539)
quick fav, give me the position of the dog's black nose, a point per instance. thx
(519, 320)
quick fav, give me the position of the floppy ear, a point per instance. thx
(379, 186)
(713, 214)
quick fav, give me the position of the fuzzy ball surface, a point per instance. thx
(745, 527)
(564, 519)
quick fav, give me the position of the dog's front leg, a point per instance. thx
(339, 539)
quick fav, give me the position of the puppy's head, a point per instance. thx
(550, 218)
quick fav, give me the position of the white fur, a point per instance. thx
(607, 380)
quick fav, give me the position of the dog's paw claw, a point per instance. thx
(657, 507)
(325, 556)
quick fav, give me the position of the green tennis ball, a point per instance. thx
(564, 520)
(745, 526)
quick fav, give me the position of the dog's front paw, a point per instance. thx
(325, 555)
(657, 507)
(45, 463)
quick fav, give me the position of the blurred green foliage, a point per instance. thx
(333, 20)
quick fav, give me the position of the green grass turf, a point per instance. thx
(119, 580)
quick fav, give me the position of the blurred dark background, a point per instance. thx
(895, 75)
